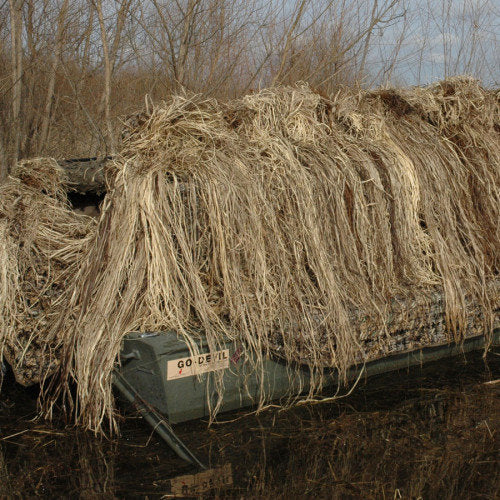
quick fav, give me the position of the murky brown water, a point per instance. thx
(427, 433)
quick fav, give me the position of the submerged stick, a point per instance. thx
(157, 422)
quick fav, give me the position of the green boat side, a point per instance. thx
(183, 386)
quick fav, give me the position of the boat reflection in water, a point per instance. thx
(430, 433)
(210, 480)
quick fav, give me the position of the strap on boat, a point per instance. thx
(155, 419)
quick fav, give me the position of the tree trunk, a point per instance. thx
(16, 27)
(107, 76)
(49, 97)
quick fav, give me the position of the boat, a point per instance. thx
(169, 384)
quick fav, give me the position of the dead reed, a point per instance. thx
(41, 242)
(278, 218)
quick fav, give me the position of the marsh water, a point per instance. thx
(428, 432)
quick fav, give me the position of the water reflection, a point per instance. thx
(77, 466)
(431, 433)
(435, 447)
(5, 488)
(220, 478)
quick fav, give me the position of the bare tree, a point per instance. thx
(290, 36)
(69, 69)
(110, 52)
(56, 57)
(16, 22)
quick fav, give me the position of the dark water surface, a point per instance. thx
(428, 432)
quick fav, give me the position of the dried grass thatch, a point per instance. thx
(41, 242)
(300, 225)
